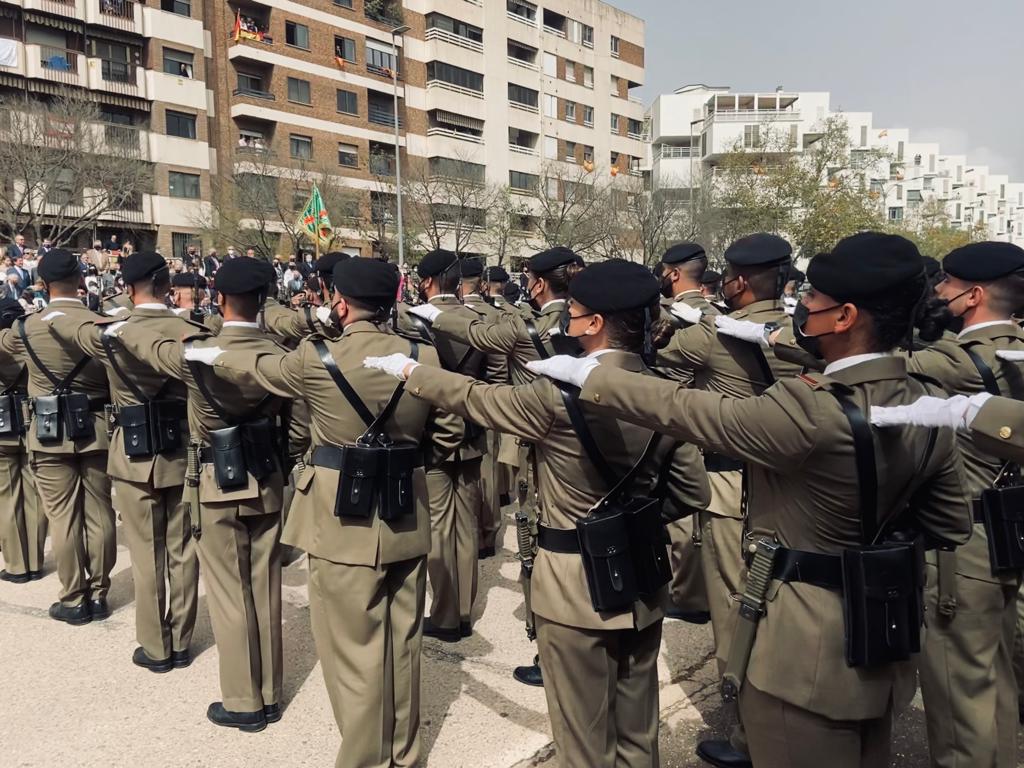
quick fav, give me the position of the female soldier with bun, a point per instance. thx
(600, 666)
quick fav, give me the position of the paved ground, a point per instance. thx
(71, 696)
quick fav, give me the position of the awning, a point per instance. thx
(12, 81)
(106, 34)
(68, 25)
(8, 12)
(100, 97)
(462, 121)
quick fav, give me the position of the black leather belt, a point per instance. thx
(333, 457)
(716, 462)
(566, 542)
(809, 568)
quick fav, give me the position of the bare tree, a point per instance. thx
(508, 217)
(643, 223)
(65, 171)
(573, 208)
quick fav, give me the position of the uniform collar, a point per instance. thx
(67, 300)
(852, 360)
(875, 367)
(241, 324)
(360, 326)
(761, 309)
(444, 298)
(619, 358)
(153, 306)
(551, 304)
(694, 291)
(992, 325)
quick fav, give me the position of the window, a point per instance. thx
(634, 128)
(464, 78)
(181, 124)
(180, 241)
(380, 58)
(588, 116)
(519, 94)
(296, 35)
(863, 135)
(615, 46)
(615, 123)
(751, 136)
(178, 63)
(899, 191)
(524, 10)
(615, 85)
(300, 147)
(588, 77)
(899, 150)
(570, 71)
(348, 155)
(180, 7)
(570, 111)
(185, 185)
(550, 106)
(525, 182)
(345, 48)
(570, 151)
(348, 102)
(250, 84)
(298, 91)
(895, 214)
(456, 27)
(550, 65)
(588, 36)
(588, 154)
(449, 168)
(550, 147)
(344, 3)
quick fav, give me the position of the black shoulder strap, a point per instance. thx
(308, 311)
(421, 328)
(988, 378)
(762, 361)
(531, 329)
(108, 345)
(196, 370)
(375, 432)
(59, 385)
(867, 471)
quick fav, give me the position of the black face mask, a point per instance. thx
(531, 297)
(666, 283)
(809, 344)
(562, 342)
(333, 318)
(727, 300)
(956, 322)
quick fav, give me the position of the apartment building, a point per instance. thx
(693, 127)
(145, 67)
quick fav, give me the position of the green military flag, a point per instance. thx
(314, 220)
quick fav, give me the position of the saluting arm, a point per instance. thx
(498, 336)
(11, 348)
(281, 374)
(84, 335)
(160, 353)
(687, 352)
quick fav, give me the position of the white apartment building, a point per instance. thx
(691, 128)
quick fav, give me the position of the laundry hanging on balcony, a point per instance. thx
(8, 53)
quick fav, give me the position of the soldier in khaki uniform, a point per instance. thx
(367, 576)
(22, 521)
(600, 668)
(802, 705)
(71, 479)
(148, 484)
(238, 530)
(187, 292)
(312, 317)
(117, 304)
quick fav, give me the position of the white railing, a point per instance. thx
(588, 43)
(637, 136)
(454, 135)
(636, 100)
(554, 31)
(749, 115)
(522, 19)
(520, 149)
(668, 152)
(635, 172)
(463, 42)
(524, 64)
(525, 107)
(477, 3)
(615, 54)
(454, 88)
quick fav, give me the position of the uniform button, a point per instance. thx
(597, 397)
(1005, 433)
(415, 390)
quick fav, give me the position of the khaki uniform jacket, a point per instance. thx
(166, 356)
(212, 323)
(312, 525)
(504, 336)
(693, 298)
(13, 377)
(568, 485)
(497, 365)
(292, 324)
(60, 357)
(949, 366)
(998, 429)
(804, 488)
(162, 471)
(116, 304)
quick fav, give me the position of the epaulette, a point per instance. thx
(197, 336)
(194, 324)
(107, 320)
(816, 380)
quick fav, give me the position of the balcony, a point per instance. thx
(519, 149)
(379, 115)
(382, 165)
(531, 108)
(522, 19)
(74, 9)
(125, 141)
(453, 134)
(524, 64)
(554, 31)
(123, 15)
(669, 152)
(454, 88)
(752, 116)
(59, 65)
(447, 37)
(116, 77)
(253, 93)
(390, 74)
(18, 67)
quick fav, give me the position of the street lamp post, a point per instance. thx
(395, 34)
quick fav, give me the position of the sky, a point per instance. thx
(948, 71)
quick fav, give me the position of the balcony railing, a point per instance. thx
(124, 140)
(451, 134)
(119, 76)
(524, 64)
(554, 31)
(751, 115)
(387, 72)
(669, 152)
(532, 108)
(382, 116)
(463, 42)
(455, 88)
(59, 64)
(58, 7)
(382, 166)
(119, 14)
(521, 19)
(520, 149)
(253, 93)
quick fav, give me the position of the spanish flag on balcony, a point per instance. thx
(243, 33)
(314, 221)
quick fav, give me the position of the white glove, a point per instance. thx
(426, 311)
(115, 311)
(572, 370)
(744, 330)
(1003, 354)
(204, 355)
(323, 314)
(956, 413)
(684, 311)
(110, 330)
(51, 315)
(395, 364)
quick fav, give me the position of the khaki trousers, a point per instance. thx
(241, 565)
(686, 591)
(490, 493)
(74, 491)
(784, 736)
(966, 670)
(22, 522)
(165, 570)
(454, 491)
(602, 691)
(1018, 644)
(366, 625)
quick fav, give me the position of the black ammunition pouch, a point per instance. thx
(167, 416)
(396, 494)
(648, 543)
(604, 545)
(357, 486)
(12, 420)
(1001, 511)
(259, 445)
(151, 428)
(78, 421)
(63, 413)
(228, 458)
(49, 424)
(135, 430)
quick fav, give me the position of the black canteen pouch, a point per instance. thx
(135, 430)
(607, 560)
(648, 544)
(259, 442)
(49, 425)
(883, 606)
(1002, 512)
(165, 420)
(396, 491)
(229, 468)
(78, 419)
(357, 485)
(10, 416)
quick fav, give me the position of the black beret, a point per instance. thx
(496, 275)
(614, 285)
(680, 253)
(369, 280)
(326, 263)
(552, 258)
(760, 250)
(472, 267)
(434, 263)
(10, 310)
(863, 265)
(984, 261)
(510, 292)
(710, 277)
(188, 280)
(244, 274)
(932, 267)
(140, 265)
(58, 264)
